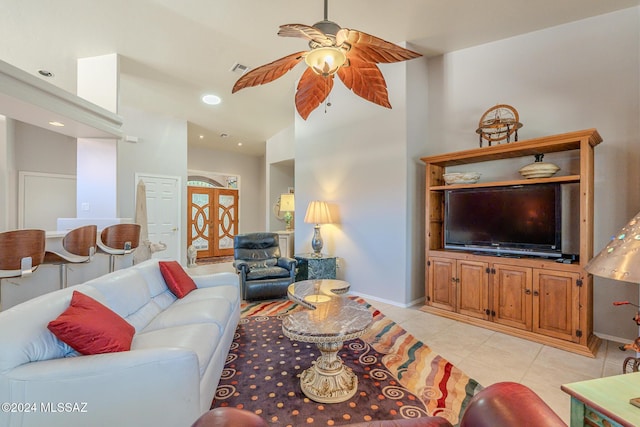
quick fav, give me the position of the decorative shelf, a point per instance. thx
(561, 179)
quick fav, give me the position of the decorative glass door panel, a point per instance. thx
(212, 235)
(200, 221)
(227, 221)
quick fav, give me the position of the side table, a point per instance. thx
(604, 401)
(313, 267)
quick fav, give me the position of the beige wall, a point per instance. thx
(362, 158)
(251, 170)
(33, 149)
(355, 156)
(576, 76)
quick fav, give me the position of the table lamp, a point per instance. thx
(287, 205)
(317, 213)
(620, 259)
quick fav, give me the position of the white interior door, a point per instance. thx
(163, 213)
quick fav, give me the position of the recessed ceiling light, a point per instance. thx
(201, 136)
(45, 73)
(211, 99)
(57, 124)
(239, 144)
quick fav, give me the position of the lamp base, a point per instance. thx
(287, 221)
(316, 241)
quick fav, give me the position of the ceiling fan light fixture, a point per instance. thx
(325, 61)
(351, 54)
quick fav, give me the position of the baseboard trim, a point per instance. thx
(416, 302)
(612, 338)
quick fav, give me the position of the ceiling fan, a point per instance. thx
(351, 54)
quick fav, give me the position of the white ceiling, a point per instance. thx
(173, 52)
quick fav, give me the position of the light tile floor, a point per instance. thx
(490, 357)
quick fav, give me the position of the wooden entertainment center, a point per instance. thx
(530, 297)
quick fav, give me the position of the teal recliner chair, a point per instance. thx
(264, 274)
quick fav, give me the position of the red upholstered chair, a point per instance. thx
(504, 404)
(508, 404)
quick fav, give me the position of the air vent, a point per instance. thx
(239, 68)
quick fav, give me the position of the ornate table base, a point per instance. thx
(331, 320)
(328, 380)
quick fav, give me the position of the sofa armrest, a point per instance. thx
(161, 386)
(288, 263)
(216, 279)
(508, 404)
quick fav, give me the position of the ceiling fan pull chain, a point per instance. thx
(327, 103)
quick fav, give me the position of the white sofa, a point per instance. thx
(168, 378)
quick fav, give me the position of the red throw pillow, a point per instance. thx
(91, 328)
(178, 281)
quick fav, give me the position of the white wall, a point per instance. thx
(280, 173)
(6, 161)
(355, 157)
(39, 150)
(161, 149)
(251, 170)
(417, 112)
(281, 177)
(97, 173)
(281, 146)
(575, 76)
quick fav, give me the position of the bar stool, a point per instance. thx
(21, 252)
(78, 246)
(118, 240)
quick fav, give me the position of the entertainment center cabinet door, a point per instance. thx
(441, 283)
(472, 279)
(512, 296)
(556, 304)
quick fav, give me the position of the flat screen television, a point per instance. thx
(511, 220)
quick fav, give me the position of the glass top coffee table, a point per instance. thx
(330, 320)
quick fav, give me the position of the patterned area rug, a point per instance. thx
(398, 376)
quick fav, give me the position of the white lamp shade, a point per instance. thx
(325, 61)
(318, 213)
(287, 203)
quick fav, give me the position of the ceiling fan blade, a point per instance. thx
(305, 32)
(312, 90)
(365, 80)
(371, 48)
(268, 72)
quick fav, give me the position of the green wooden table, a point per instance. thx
(605, 401)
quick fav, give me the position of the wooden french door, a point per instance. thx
(213, 220)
